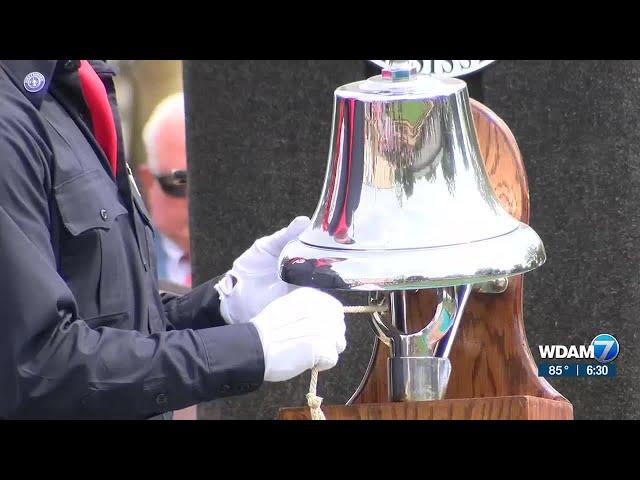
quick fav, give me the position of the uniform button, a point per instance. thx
(162, 399)
(104, 214)
(244, 388)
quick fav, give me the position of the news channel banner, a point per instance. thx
(597, 358)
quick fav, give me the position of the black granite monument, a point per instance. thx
(577, 127)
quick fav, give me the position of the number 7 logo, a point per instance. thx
(606, 348)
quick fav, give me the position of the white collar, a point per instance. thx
(171, 248)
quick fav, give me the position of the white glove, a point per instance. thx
(256, 276)
(299, 331)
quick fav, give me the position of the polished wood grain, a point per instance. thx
(490, 408)
(490, 356)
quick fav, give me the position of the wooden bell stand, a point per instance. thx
(494, 375)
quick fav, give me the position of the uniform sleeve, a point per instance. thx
(200, 308)
(53, 365)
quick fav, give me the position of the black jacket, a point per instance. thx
(84, 332)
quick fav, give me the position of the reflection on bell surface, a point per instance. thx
(406, 202)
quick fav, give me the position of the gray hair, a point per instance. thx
(171, 106)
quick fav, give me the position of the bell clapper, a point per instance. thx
(416, 371)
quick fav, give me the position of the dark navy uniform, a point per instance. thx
(84, 332)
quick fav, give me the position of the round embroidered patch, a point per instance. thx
(34, 82)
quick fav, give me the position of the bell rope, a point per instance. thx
(313, 400)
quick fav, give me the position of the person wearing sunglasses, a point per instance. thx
(164, 182)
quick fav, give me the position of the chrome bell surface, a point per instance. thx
(406, 202)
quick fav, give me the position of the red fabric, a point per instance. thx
(104, 127)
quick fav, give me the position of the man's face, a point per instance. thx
(170, 214)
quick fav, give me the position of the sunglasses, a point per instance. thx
(173, 184)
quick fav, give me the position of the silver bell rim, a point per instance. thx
(513, 253)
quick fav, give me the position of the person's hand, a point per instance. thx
(255, 274)
(299, 331)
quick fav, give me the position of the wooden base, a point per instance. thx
(491, 408)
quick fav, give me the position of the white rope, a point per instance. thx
(314, 401)
(365, 309)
